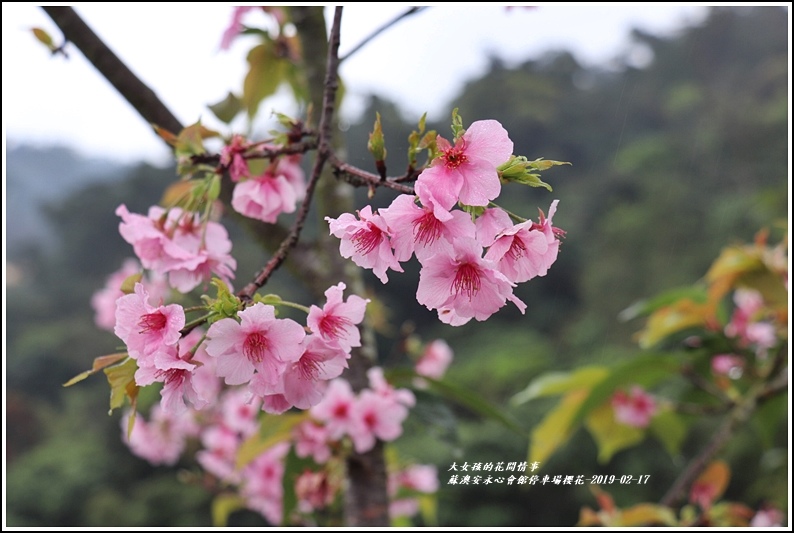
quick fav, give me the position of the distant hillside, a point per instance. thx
(36, 176)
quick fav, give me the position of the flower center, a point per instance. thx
(152, 322)
(334, 326)
(309, 366)
(454, 157)
(255, 347)
(517, 249)
(427, 229)
(467, 279)
(367, 239)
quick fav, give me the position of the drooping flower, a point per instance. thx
(174, 368)
(466, 172)
(519, 251)
(337, 321)
(366, 241)
(305, 379)
(435, 359)
(461, 285)
(634, 409)
(147, 329)
(179, 244)
(259, 342)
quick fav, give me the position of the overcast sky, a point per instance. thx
(420, 63)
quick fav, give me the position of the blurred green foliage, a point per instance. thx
(671, 162)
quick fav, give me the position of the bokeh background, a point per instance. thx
(674, 155)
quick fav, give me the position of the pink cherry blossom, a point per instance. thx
(312, 440)
(337, 321)
(304, 380)
(435, 359)
(463, 283)
(259, 342)
(335, 410)
(415, 478)
(232, 157)
(366, 241)
(466, 172)
(518, 251)
(634, 409)
(417, 229)
(264, 197)
(375, 417)
(179, 244)
(147, 329)
(174, 368)
(239, 411)
(219, 455)
(161, 440)
(262, 487)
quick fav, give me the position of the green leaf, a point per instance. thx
(696, 293)
(680, 315)
(428, 508)
(555, 428)
(555, 383)
(227, 108)
(272, 430)
(670, 429)
(223, 505)
(121, 379)
(265, 74)
(610, 436)
(644, 370)
(99, 364)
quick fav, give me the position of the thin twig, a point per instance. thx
(358, 177)
(392, 22)
(323, 153)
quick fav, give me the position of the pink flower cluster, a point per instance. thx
(457, 278)
(635, 408)
(263, 197)
(374, 413)
(178, 243)
(282, 365)
(222, 429)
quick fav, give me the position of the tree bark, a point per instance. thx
(366, 500)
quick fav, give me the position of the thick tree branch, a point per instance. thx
(137, 93)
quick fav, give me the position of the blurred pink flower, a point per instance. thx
(435, 359)
(634, 409)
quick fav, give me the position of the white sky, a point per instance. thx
(420, 63)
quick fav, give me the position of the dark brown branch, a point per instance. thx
(264, 153)
(323, 152)
(392, 22)
(358, 177)
(137, 93)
